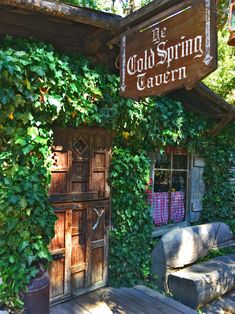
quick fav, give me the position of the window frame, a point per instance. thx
(160, 230)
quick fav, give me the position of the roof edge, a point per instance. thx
(203, 90)
(95, 18)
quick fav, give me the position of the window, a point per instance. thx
(170, 174)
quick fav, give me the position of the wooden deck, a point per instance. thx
(136, 300)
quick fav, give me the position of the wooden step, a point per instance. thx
(159, 298)
(199, 284)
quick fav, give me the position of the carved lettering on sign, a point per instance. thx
(172, 51)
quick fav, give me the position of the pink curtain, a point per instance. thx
(160, 208)
(177, 206)
(160, 205)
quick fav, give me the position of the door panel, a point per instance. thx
(57, 278)
(98, 223)
(61, 164)
(78, 280)
(57, 248)
(97, 270)
(79, 256)
(79, 192)
(58, 241)
(100, 165)
(81, 163)
(97, 244)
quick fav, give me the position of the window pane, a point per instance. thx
(170, 187)
(163, 161)
(178, 196)
(180, 161)
(179, 181)
(162, 181)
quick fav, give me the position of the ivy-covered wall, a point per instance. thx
(40, 89)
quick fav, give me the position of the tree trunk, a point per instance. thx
(199, 284)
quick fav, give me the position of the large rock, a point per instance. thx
(197, 285)
(183, 246)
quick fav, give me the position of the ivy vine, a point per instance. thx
(130, 243)
(41, 88)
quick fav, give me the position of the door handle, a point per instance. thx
(55, 257)
(99, 213)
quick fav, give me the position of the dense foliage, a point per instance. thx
(222, 81)
(130, 223)
(41, 88)
(220, 153)
(215, 253)
(122, 7)
(223, 10)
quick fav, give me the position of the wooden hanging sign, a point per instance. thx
(174, 49)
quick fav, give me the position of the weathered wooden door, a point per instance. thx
(80, 194)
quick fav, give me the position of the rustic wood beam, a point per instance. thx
(56, 27)
(205, 92)
(226, 120)
(81, 15)
(26, 31)
(201, 283)
(146, 12)
(94, 41)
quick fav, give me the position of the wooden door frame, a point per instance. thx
(67, 202)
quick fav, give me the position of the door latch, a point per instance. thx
(99, 213)
(57, 256)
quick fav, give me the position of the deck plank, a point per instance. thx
(93, 303)
(70, 307)
(171, 303)
(135, 300)
(59, 309)
(148, 303)
(118, 302)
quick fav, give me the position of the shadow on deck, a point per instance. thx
(136, 300)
